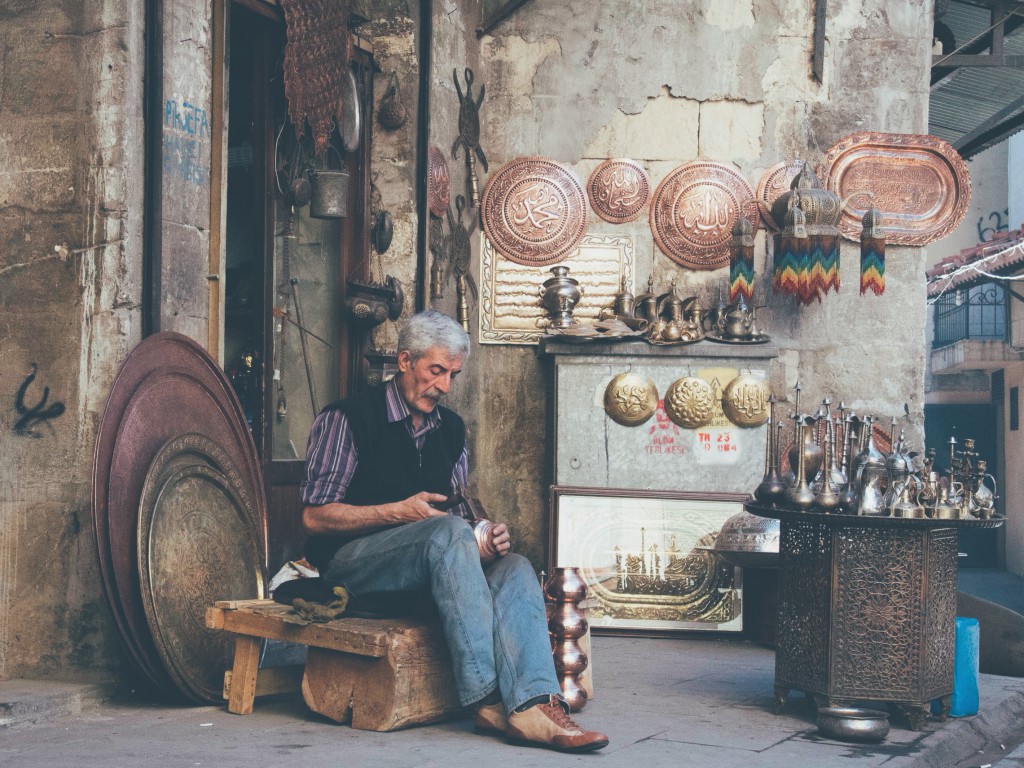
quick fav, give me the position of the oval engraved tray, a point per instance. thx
(919, 183)
(864, 521)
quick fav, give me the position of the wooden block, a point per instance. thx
(243, 675)
(410, 685)
(272, 681)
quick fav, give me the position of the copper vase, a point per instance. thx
(567, 623)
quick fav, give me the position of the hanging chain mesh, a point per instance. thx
(315, 57)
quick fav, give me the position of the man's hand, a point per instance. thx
(495, 543)
(418, 507)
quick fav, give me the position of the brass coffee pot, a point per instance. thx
(737, 321)
(943, 509)
(905, 499)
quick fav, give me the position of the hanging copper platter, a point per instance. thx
(920, 184)
(772, 185)
(630, 399)
(534, 211)
(694, 209)
(198, 542)
(438, 182)
(745, 400)
(618, 190)
(168, 386)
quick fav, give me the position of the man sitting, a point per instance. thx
(376, 466)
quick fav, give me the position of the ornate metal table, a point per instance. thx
(867, 608)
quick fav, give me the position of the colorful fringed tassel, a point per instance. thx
(872, 254)
(791, 251)
(823, 267)
(741, 261)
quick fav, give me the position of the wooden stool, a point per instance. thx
(378, 674)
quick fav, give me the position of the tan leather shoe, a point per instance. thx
(549, 725)
(490, 719)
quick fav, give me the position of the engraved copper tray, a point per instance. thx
(920, 184)
(772, 185)
(198, 542)
(618, 190)
(694, 209)
(438, 182)
(534, 211)
(168, 386)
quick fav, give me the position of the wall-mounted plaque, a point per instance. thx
(919, 183)
(773, 184)
(694, 209)
(618, 190)
(534, 211)
(510, 293)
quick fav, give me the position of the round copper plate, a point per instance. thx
(772, 185)
(167, 386)
(745, 400)
(438, 182)
(534, 211)
(197, 542)
(630, 399)
(690, 402)
(618, 190)
(693, 211)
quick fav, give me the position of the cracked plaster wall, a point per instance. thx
(71, 150)
(664, 83)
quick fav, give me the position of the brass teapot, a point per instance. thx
(737, 321)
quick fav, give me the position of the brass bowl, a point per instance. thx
(690, 402)
(630, 399)
(853, 724)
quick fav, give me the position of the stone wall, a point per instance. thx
(70, 277)
(666, 83)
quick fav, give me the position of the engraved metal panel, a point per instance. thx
(878, 614)
(805, 577)
(940, 619)
(534, 211)
(438, 182)
(693, 212)
(919, 183)
(510, 306)
(618, 190)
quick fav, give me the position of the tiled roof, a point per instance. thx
(1003, 254)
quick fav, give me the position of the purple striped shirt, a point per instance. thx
(331, 455)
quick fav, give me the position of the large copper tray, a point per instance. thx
(534, 211)
(694, 209)
(919, 183)
(168, 386)
(198, 542)
(618, 190)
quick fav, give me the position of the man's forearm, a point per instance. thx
(349, 519)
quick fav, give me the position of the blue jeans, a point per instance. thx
(493, 616)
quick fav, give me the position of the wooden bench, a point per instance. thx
(378, 674)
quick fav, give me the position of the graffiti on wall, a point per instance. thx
(186, 137)
(998, 222)
(31, 417)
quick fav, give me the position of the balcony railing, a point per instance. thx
(978, 312)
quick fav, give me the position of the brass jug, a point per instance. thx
(943, 509)
(772, 489)
(905, 499)
(800, 496)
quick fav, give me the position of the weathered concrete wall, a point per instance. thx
(70, 276)
(666, 82)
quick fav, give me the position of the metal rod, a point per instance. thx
(305, 346)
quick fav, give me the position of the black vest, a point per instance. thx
(389, 467)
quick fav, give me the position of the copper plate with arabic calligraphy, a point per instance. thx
(618, 190)
(693, 212)
(630, 399)
(773, 184)
(534, 211)
(919, 183)
(745, 400)
(438, 182)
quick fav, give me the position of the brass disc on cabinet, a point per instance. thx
(630, 399)
(745, 400)
(690, 402)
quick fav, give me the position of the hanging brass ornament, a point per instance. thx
(745, 400)
(630, 399)
(690, 402)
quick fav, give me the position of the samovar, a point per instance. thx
(559, 296)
